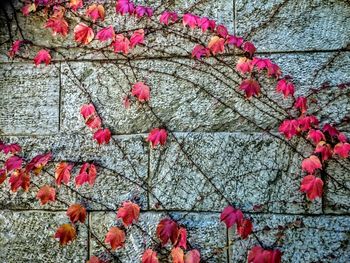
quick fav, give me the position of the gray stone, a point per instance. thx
(114, 184)
(205, 233)
(29, 237)
(29, 99)
(255, 172)
(281, 25)
(302, 238)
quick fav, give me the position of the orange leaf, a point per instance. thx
(76, 213)
(46, 194)
(115, 237)
(177, 255)
(129, 213)
(149, 256)
(62, 173)
(66, 233)
(216, 45)
(83, 34)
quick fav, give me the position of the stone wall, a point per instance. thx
(39, 109)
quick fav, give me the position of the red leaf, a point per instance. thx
(244, 65)
(13, 163)
(11, 148)
(46, 194)
(316, 136)
(312, 186)
(137, 38)
(306, 122)
(76, 212)
(222, 31)
(75, 4)
(342, 149)
(190, 20)
(83, 34)
(102, 136)
(273, 70)
(249, 48)
(177, 255)
(66, 233)
(124, 6)
(38, 162)
(250, 87)
(234, 40)
(332, 131)
(19, 178)
(157, 136)
(141, 11)
(96, 12)
(106, 33)
(301, 104)
(121, 44)
(3, 176)
(205, 23)
(182, 239)
(216, 45)
(87, 110)
(129, 213)
(167, 230)
(62, 173)
(199, 51)
(231, 216)
(261, 63)
(285, 87)
(244, 228)
(87, 174)
(289, 128)
(95, 259)
(167, 17)
(58, 25)
(192, 256)
(149, 256)
(324, 149)
(141, 91)
(115, 237)
(16, 45)
(311, 164)
(342, 137)
(42, 56)
(28, 8)
(259, 255)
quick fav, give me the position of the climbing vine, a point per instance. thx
(250, 78)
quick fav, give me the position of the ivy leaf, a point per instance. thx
(199, 51)
(129, 213)
(87, 174)
(324, 149)
(121, 44)
(95, 259)
(182, 239)
(124, 6)
(167, 17)
(258, 255)
(332, 131)
(149, 256)
(76, 212)
(13, 163)
(205, 23)
(157, 136)
(62, 173)
(28, 8)
(311, 164)
(3, 176)
(87, 110)
(38, 162)
(192, 256)
(231, 216)
(222, 31)
(167, 229)
(141, 91)
(96, 12)
(316, 136)
(58, 25)
(75, 4)
(83, 34)
(115, 237)
(190, 20)
(43, 56)
(216, 45)
(46, 194)
(249, 48)
(244, 228)
(177, 255)
(301, 104)
(106, 33)
(251, 87)
(289, 128)
(137, 38)
(342, 149)
(65, 234)
(234, 40)
(102, 136)
(312, 186)
(141, 11)
(244, 65)
(286, 87)
(10, 148)
(16, 45)
(19, 178)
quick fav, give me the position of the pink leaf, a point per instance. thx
(42, 56)
(105, 33)
(231, 216)
(157, 136)
(137, 38)
(141, 91)
(102, 136)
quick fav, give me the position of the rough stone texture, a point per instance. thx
(205, 233)
(29, 99)
(302, 238)
(28, 236)
(281, 25)
(112, 186)
(247, 180)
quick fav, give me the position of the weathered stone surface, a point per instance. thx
(29, 237)
(205, 233)
(253, 171)
(304, 238)
(29, 99)
(280, 25)
(112, 186)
